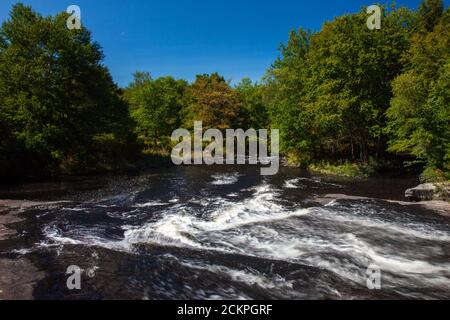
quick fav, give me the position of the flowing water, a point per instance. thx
(229, 233)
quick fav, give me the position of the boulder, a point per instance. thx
(428, 192)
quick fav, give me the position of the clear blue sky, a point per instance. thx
(237, 38)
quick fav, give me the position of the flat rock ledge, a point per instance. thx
(17, 277)
(9, 210)
(25, 204)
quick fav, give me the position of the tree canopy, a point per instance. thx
(155, 105)
(58, 103)
(419, 116)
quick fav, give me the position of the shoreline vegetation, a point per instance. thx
(347, 100)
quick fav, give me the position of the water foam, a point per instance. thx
(225, 179)
(264, 227)
(175, 225)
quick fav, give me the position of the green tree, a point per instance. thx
(56, 98)
(430, 12)
(349, 82)
(419, 116)
(329, 91)
(283, 94)
(155, 106)
(213, 101)
(254, 111)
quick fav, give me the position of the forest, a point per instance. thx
(345, 98)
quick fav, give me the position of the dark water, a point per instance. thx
(229, 233)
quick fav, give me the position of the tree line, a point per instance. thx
(342, 94)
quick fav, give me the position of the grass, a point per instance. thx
(351, 170)
(432, 175)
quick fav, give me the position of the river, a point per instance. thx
(230, 233)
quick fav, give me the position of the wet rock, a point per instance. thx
(423, 192)
(428, 192)
(17, 279)
(9, 210)
(21, 205)
(5, 220)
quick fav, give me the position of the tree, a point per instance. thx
(349, 83)
(254, 109)
(329, 91)
(57, 99)
(419, 116)
(155, 106)
(430, 12)
(213, 101)
(283, 94)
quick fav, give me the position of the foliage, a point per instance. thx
(347, 169)
(284, 90)
(333, 87)
(254, 110)
(213, 101)
(56, 98)
(420, 110)
(155, 105)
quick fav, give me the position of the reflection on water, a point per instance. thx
(228, 233)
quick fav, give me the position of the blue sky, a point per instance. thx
(187, 37)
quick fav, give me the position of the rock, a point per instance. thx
(9, 210)
(428, 192)
(423, 192)
(17, 279)
(6, 219)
